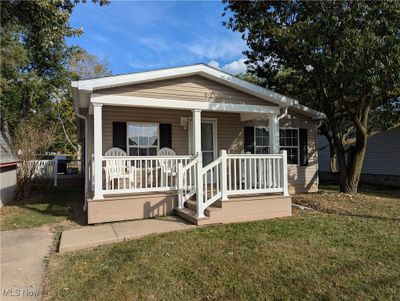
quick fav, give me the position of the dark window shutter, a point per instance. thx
(249, 139)
(165, 135)
(303, 147)
(119, 135)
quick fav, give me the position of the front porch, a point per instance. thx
(126, 186)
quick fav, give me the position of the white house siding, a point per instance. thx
(8, 180)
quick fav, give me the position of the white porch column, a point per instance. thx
(273, 127)
(196, 131)
(98, 151)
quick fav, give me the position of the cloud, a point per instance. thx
(213, 63)
(216, 47)
(233, 68)
(156, 44)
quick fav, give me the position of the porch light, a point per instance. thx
(184, 123)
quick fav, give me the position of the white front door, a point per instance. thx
(208, 140)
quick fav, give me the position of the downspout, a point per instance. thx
(284, 114)
(84, 118)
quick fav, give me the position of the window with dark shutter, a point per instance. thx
(248, 139)
(119, 135)
(165, 135)
(303, 147)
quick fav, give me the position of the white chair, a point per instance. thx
(168, 166)
(116, 169)
(166, 151)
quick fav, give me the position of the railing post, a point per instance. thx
(199, 187)
(224, 174)
(285, 173)
(180, 185)
(55, 171)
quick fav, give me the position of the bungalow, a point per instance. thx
(195, 141)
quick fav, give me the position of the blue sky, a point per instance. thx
(145, 35)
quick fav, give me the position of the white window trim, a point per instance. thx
(298, 143)
(255, 137)
(141, 122)
(280, 146)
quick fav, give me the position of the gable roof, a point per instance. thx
(90, 85)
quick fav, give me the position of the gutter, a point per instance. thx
(84, 118)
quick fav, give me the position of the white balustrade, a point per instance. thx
(229, 174)
(255, 174)
(129, 174)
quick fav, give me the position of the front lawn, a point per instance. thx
(46, 206)
(350, 249)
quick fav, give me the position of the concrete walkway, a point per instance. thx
(22, 262)
(92, 236)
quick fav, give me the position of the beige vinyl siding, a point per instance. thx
(196, 88)
(229, 136)
(229, 128)
(303, 178)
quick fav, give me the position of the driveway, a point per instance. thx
(22, 263)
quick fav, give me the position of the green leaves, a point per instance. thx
(35, 60)
(339, 57)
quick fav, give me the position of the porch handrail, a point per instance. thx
(236, 174)
(187, 181)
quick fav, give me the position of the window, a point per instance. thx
(142, 139)
(261, 140)
(289, 141)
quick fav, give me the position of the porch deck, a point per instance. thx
(233, 188)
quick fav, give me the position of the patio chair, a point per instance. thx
(116, 169)
(168, 166)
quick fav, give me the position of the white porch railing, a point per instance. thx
(129, 174)
(227, 175)
(238, 174)
(255, 174)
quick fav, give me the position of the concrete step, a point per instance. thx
(190, 216)
(192, 204)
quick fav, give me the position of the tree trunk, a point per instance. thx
(333, 161)
(357, 159)
(343, 172)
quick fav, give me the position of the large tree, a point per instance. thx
(36, 67)
(34, 56)
(340, 57)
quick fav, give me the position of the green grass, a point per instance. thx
(46, 206)
(343, 251)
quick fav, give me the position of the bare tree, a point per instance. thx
(31, 140)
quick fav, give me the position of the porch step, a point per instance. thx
(239, 209)
(190, 215)
(192, 204)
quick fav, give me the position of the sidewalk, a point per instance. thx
(22, 267)
(92, 236)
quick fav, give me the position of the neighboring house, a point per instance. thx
(8, 170)
(193, 140)
(382, 158)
